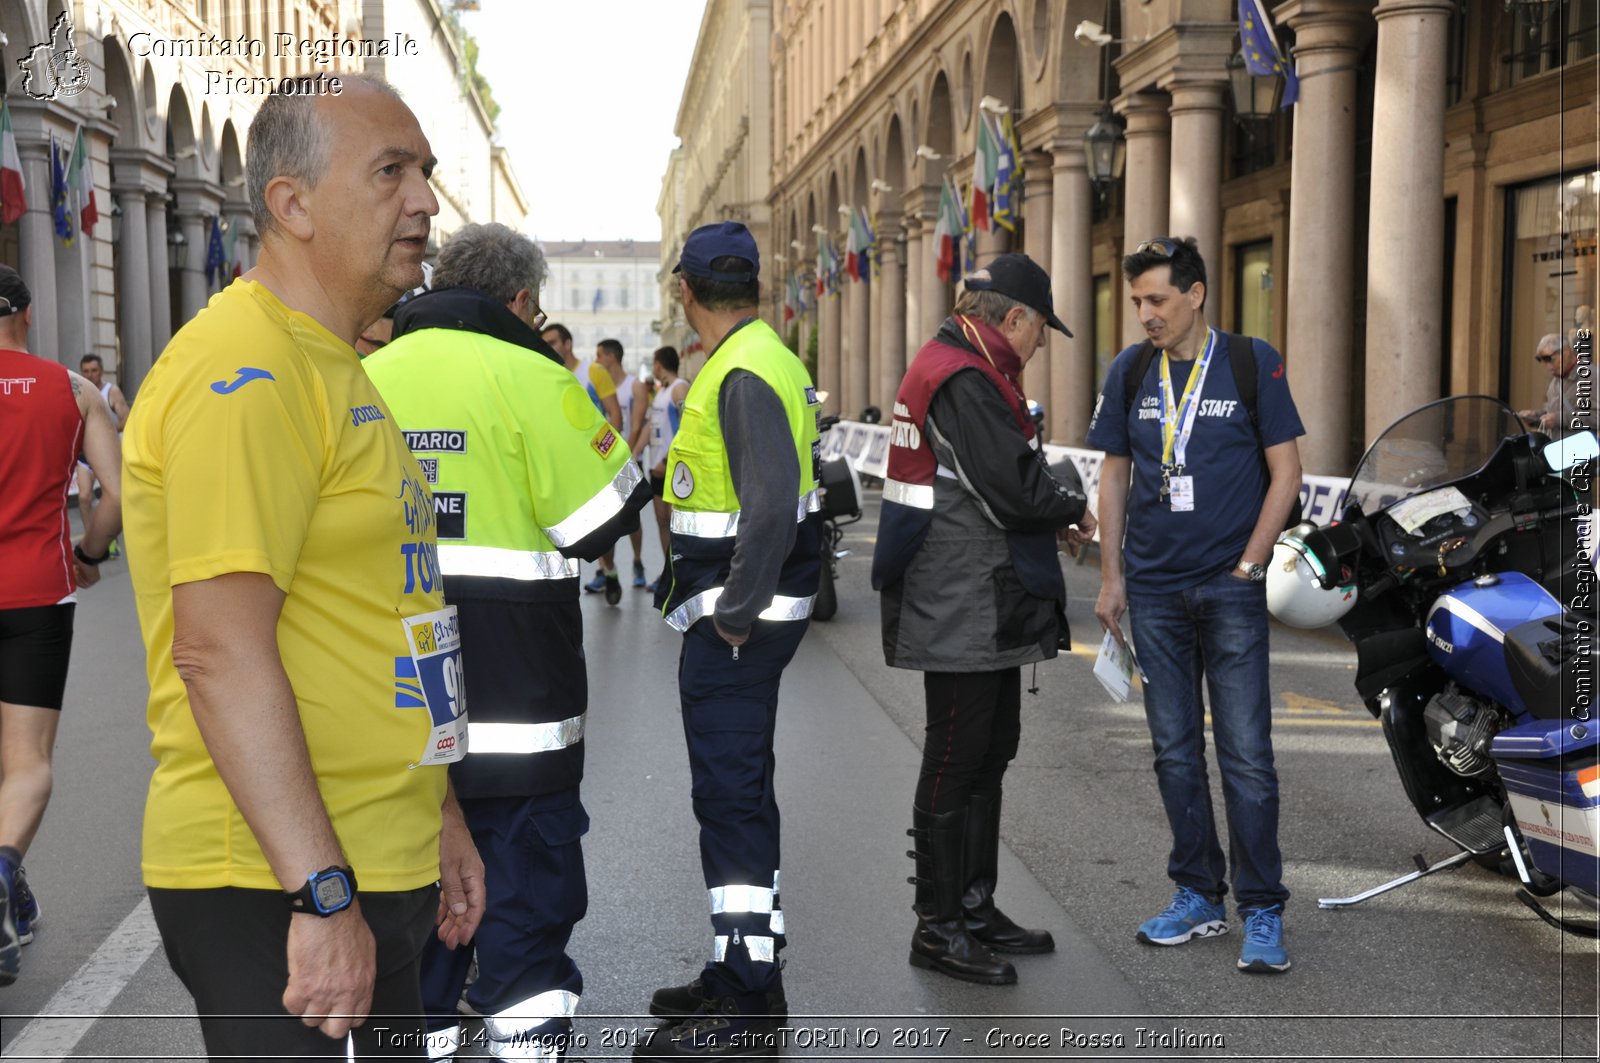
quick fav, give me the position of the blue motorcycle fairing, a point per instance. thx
(1466, 629)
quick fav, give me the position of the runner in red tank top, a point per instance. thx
(47, 415)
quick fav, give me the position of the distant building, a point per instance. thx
(165, 124)
(723, 169)
(606, 289)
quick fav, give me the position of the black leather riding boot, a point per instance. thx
(982, 854)
(942, 942)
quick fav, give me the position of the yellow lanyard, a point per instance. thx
(1172, 416)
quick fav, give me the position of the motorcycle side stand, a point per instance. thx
(1423, 870)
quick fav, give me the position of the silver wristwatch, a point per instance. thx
(1257, 573)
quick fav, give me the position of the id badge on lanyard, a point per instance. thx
(435, 643)
(1177, 426)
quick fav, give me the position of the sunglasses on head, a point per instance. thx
(1164, 248)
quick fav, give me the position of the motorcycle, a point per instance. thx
(839, 488)
(1460, 571)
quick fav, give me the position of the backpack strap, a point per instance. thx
(1242, 357)
(1141, 365)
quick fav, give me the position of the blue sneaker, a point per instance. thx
(638, 576)
(1189, 915)
(1263, 951)
(10, 947)
(596, 585)
(24, 907)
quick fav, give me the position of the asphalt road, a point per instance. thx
(1451, 968)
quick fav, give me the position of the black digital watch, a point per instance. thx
(328, 891)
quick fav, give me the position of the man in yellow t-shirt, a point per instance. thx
(305, 685)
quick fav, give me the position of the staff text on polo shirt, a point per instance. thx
(436, 440)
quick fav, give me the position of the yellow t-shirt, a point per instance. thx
(258, 444)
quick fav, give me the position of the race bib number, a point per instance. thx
(434, 640)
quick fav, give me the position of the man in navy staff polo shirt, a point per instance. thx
(1195, 489)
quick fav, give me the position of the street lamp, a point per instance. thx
(1254, 98)
(1105, 149)
(175, 248)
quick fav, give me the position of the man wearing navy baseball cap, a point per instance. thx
(972, 590)
(746, 546)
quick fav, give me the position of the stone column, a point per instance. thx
(160, 286)
(1072, 394)
(853, 375)
(828, 336)
(911, 282)
(36, 251)
(1319, 330)
(936, 293)
(198, 202)
(1405, 269)
(133, 287)
(889, 317)
(1038, 197)
(1145, 177)
(1195, 192)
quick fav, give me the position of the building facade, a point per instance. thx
(1408, 229)
(722, 169)
(164, 92)
(606, 289)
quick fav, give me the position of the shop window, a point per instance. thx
(1550, 283)
(1537, 36)
(1252, 289)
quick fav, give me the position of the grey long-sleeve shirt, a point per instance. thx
(766, 477)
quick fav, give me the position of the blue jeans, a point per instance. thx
(1217, 630)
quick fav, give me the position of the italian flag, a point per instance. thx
(985, 164)
(80, 178)
(13, 199)
(946, 232)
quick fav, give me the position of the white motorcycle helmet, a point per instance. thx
(1294, 594)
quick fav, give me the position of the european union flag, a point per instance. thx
(58, 193)
(216, 261)
(1261, 53)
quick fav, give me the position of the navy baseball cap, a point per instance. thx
(718, 240)
(1019, 277)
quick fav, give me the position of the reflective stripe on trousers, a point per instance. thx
(589, 517)
(707, 524)
(739, 900)
(443, 1044)
(460, 560)
(761, 949)
(504, 1026)
(783, 607)
(524, 737)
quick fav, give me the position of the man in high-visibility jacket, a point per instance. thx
(746, 548)
(526, 477)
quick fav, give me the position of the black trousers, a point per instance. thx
(974, 724)
(730, 714)
(532, 853)
(229, 947)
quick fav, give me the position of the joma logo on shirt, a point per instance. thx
(360, 415)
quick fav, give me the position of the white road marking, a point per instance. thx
(84, 997)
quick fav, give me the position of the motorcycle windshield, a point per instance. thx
(1432, 445)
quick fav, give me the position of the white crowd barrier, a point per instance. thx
(866, 446)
